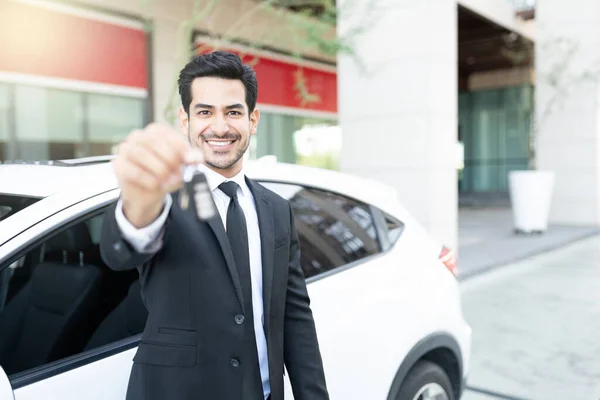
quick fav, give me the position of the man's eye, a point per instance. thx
(203, 112)
(234, 113)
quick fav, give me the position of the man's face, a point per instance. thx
(218, 123)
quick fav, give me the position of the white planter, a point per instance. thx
(530, 196)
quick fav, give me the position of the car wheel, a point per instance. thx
(426, 381)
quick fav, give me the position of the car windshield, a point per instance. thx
(11, 204)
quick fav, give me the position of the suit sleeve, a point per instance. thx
(148, 239)
(120, 249)
(301, 348)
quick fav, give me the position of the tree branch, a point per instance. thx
(309, 34)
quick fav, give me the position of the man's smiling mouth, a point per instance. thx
(219, 143)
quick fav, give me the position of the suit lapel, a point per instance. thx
(267, 241)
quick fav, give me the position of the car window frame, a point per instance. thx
(385, 231)
(381, 226)
(42, 230)
(37, 234)
(378, 220)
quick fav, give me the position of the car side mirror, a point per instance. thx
(6, 391)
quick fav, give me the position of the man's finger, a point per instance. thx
(145, 158)
(133, 175)
(193, 156)
(163, 133)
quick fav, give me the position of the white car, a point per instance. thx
(384, 295)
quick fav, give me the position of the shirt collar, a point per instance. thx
(214, 179)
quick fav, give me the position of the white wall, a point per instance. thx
(569, 140)
(399, 121)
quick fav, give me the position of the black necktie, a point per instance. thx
(238, 240)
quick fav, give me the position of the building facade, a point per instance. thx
(71, 80)
(441, 67)
(77, 76)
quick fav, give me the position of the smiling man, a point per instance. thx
(221, 130)
(227, 300)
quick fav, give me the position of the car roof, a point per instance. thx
(43, 179)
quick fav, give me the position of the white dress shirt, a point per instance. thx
(149, 240)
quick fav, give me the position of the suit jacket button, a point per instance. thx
(239, 319)
(235, 362)
(117, 246)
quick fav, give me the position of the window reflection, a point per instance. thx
(303, 140)
(333, 230)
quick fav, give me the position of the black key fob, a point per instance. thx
(195, 196)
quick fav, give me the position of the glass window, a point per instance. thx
(314, 142)
(319, 144)
(4, 121)
(494, 128)
(275, 137)
(110, 119)
(52, 124)
(333, 230)
(12, 204)
(49, 123)
(59, 299)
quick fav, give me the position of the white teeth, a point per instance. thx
(220, 144)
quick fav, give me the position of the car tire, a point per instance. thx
(425, 377)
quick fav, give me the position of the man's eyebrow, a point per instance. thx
(202, 105)
(235, 106)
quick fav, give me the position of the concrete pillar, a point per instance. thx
(399, 119)
(568, 140)
(166, 63)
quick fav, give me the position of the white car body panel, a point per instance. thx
(368, 317)
(105, 379)
(387, 323)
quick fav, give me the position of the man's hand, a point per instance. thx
(148, 166)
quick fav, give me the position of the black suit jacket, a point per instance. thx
(192, 342)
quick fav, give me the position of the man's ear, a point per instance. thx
(183, 121)
(254, 119)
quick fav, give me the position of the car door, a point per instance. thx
(376, 289)
(346, 260)
(60, 332)
(344, 249)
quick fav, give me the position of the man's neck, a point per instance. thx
(226, 173)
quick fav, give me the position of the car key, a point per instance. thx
(195, 194)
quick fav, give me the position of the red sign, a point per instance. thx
(49, 43)
(286, 84)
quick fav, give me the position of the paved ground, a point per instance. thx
(486, 240)
(536, 327)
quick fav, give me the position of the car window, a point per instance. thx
(11, 204)
(333, 230)
(59, 299)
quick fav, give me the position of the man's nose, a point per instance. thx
(219, 125)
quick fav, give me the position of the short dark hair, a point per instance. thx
(218, 64)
